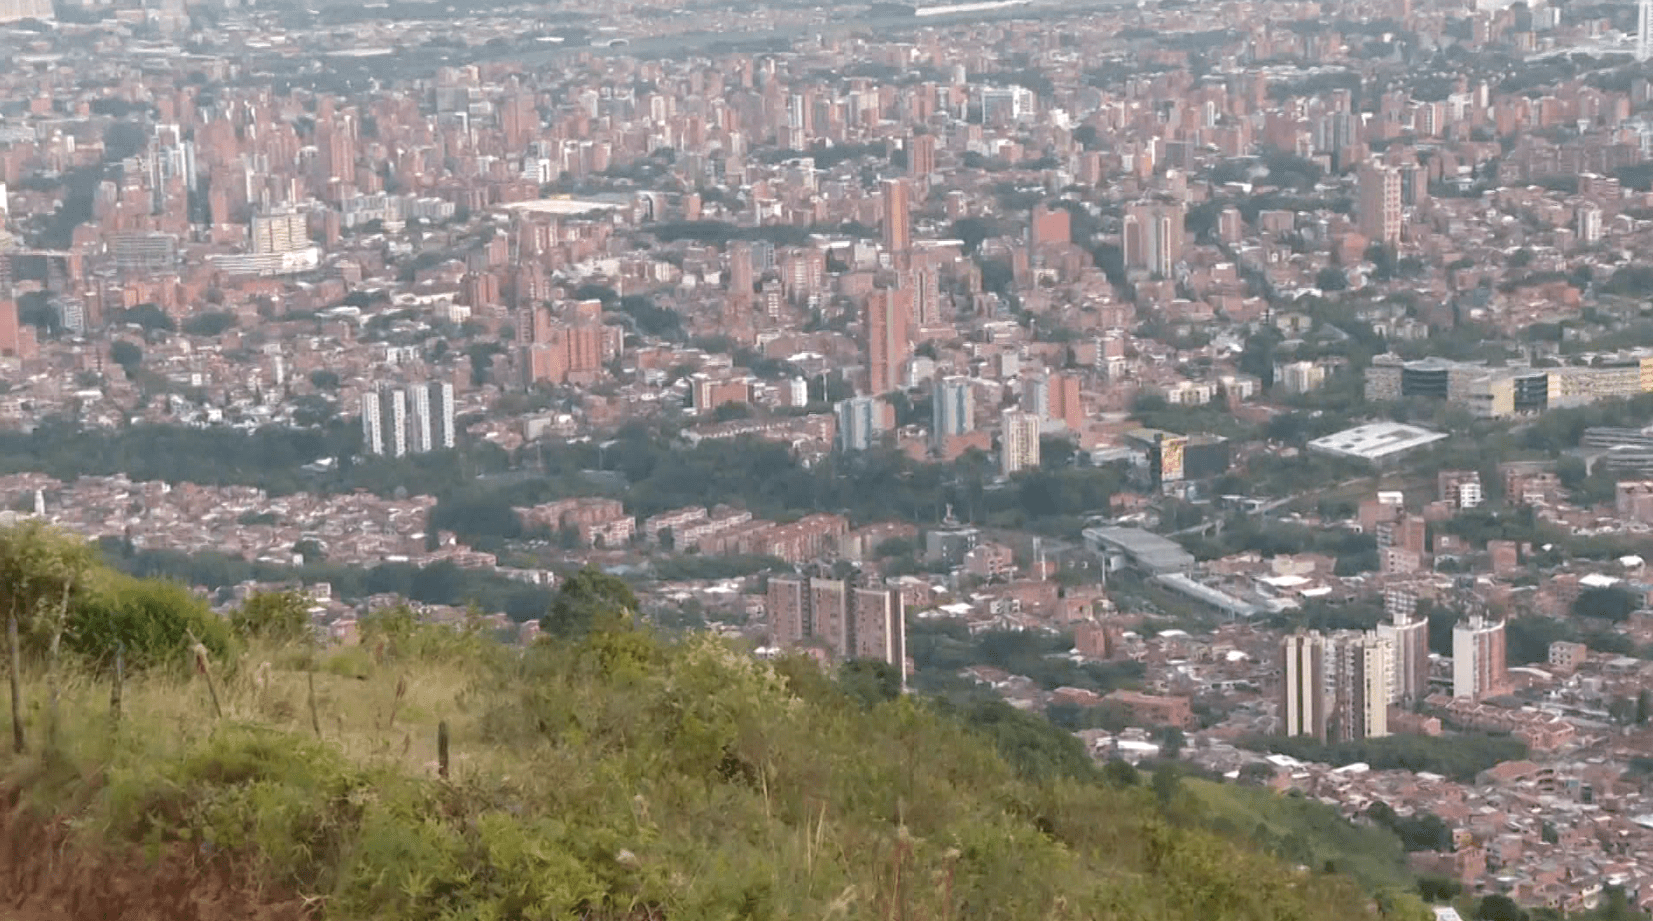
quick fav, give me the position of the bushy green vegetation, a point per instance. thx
(608, 773)
(1529, 638)
(156, 624)
(1459, 757)
(151, 622)
(477, 486)
(1271, 474)
(1355, 552)
(687, 782)
(271, 458)
(1561, 429)
(1423, 831)
(1318, 614)
(691, 567)
(1154, 412)
(1612, 602)
(942, 647)
(438, 583)
(1303, 831)
(767, 479)
(66, 614)
(279, 616)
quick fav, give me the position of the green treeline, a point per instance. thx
(655, 475)
(273, 458)
(438, 583)
(1459, 757)
(477, 486)
(942, 647)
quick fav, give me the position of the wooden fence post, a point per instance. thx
(16, 670)
(204, 665)
(116, 689)
(442, 749)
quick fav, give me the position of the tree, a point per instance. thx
(1257, 358)
(1439, 888)
(1171, 741)
(126, 354)
(1617, 907)
(1331, 278)
(149, 316)
(1120, 773)
(311, 550)
(870, 682)
(150, 621)
(1644, 706)
(482, 355)
(313, 411)
(1167, 782)
(323, 379)
(210, 323)
(1607, 602)
(40, 568)
(1031, 745)
(1497, 907)
(586, 601)
(397, 632)
(1257, 773)
(732, 410)
(1056, 452)
(1423, 831)
(896, 546)
(1461, 757)
(279, 616)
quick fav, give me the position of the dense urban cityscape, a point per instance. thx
(1263, 388)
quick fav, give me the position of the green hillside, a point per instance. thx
(606, 774)
(1301, 831)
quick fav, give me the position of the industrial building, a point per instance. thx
(1498, 392)
(1139, 549)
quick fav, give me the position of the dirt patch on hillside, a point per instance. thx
(45, 876)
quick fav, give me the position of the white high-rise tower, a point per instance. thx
(419, 420)
(441, 414)
(1644, 29)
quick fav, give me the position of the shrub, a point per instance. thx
(283, 806)
(280, 616)
(150, 619)
(396, 632)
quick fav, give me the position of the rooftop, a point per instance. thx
(563, 206)
(1145, 548)
(1377, 441)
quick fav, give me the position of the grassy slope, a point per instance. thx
(1304, 832)
(621, 778)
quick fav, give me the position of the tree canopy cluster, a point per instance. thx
(944, 647)
(439, 583)
(657, 474)
(1422, 831)
(765, 478)
(1460, 757)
